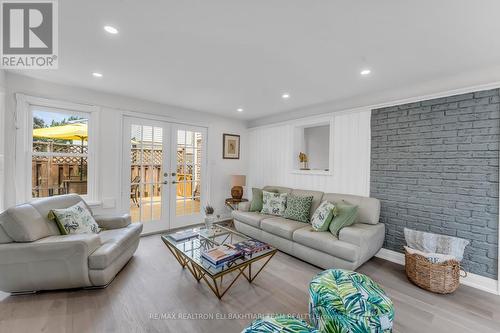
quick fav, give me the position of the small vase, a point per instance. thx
(209, 220)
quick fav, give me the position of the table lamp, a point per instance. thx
(237, 183)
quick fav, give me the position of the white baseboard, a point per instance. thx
(472, 280)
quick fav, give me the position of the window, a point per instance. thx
(59, 152)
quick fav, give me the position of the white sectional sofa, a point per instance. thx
(355, 244)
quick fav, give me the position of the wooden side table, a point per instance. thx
(233, 203)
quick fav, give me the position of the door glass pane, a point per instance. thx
(189, 154)
(146, 173)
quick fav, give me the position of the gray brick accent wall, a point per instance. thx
(434, 166)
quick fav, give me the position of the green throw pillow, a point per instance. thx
(256, 203)
(298, 208)
(273, 203)
(323, 215)
(76, 219)
(347, 215)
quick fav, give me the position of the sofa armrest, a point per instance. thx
(244, 206)
(113, 221)
(369, 237)
(55, 262)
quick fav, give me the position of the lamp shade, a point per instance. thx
(238, 180)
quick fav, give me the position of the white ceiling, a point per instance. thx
(219, 55)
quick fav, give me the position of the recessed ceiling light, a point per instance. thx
(365, 72)
(285, 96)
(96, 74)
(110, 29)
(239, 110)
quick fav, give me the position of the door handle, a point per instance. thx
(174, 182)
(165, 182)
(173, 174)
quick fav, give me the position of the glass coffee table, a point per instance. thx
(188, 253)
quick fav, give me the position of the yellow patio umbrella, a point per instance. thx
(75, 131)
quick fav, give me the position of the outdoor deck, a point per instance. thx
(181, 209)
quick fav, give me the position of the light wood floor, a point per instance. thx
(153, 211)
(154, 284)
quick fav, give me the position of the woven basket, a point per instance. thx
(441, 278)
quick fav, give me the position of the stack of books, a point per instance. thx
(221, 254)
(251, 246)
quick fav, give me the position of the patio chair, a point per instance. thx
(134, 190)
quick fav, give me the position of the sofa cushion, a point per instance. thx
(315, 201)
(273, 203)
(92, 241)
(298, 207)
(281, 227)
(75, 220)
(25, 224)
(345, 217)
(250, 218)
(256, 203)
(368, 208)
(324, 241)
(323, 215)
(45, 205)
(114, 243)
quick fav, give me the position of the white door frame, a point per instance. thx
(169, 218)
(154, 225)
(182, 221)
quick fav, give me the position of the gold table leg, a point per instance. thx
(216, 282)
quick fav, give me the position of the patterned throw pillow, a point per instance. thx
(256, 203)
(74, 220)
(273, 203)
(298, 208)
(323, 215)
(347, 216)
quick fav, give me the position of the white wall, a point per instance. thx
(271, 150)
(110, 136)
(317, 141)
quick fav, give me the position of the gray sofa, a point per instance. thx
(354, 245)
(34, 256)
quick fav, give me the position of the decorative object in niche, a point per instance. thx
(312, 146)
(303, 161)
(231, 146)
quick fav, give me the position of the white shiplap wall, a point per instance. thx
(271, 156)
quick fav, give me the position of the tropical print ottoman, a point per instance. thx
(279, 324)
(342, 301)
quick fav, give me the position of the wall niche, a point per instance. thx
(313, 147)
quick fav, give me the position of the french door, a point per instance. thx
(164, 178)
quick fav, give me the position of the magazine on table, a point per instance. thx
(251, 246)
(221, 254)
(183, 235)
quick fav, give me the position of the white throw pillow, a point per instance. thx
(273, 203)
(322, 216)
(76, 219)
